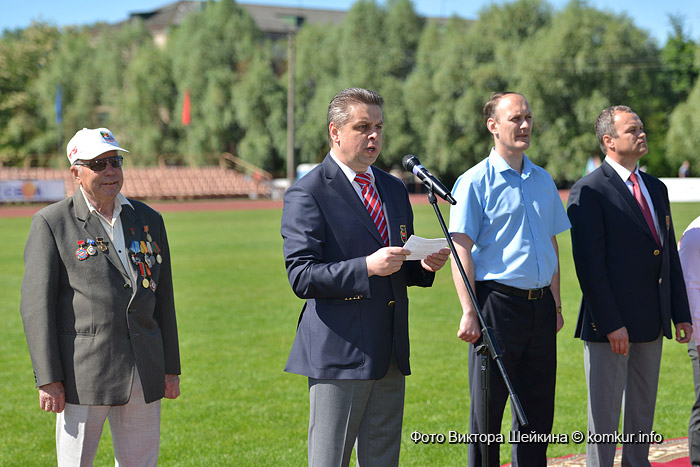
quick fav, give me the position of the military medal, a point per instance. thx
(144, 263)
(159, 258)
(148, 273)
(148, 236)
(152, 259)
(144, 282)
(101, 245)
(91, 247)
(134, 247)
(81, 253)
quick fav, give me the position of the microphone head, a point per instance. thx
(410, 161)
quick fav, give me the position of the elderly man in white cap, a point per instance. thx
(98, 311)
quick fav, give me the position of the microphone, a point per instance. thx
(412, 164)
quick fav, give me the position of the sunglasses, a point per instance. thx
(100, 164)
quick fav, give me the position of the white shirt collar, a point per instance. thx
(623, 172)
(119, 200)
(349, 173)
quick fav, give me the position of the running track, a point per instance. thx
(28, 210)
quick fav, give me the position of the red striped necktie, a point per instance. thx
(636, 190)
(373, 205)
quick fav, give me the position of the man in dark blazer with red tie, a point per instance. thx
(627, 264)
(343, 248)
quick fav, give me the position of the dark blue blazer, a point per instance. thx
(350, 322)
(626, 279)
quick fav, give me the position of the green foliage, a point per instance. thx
(682, 139)
(211, 54)
(261, 111)
(587, 60)
(435, 77)
(144, 109)
(72, 67)
(23, 56)
(678, 57)
(315, 85)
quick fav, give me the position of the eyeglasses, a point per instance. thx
(99, 165)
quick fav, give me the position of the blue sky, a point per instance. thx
(651, 15)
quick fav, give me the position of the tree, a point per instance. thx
(115, 49)
(361, 47)
(23, 127)
(585, 61)
(682, 139)
(431, 92)
(402, 28)
(678, 59)
(143, 107)
(211, 52)
(262, 114)
(316, 79)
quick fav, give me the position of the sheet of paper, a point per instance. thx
(422, 247)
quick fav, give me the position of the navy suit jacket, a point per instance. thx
(350, 323)
(626, 279)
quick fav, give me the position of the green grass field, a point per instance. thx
(237, 318)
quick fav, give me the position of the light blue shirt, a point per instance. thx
(511, 218)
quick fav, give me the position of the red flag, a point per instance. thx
(186, 108)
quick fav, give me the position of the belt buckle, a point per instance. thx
(534, 294)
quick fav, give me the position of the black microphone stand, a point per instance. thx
(489, 343)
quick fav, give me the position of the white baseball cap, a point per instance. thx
(88, 144)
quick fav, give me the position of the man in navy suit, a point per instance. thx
(344, 224)
(627, 264)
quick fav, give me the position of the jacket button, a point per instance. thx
(657, 252)
(391, 303)
(127, 286)
(661, 280)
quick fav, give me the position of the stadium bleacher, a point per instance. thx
(162, 182)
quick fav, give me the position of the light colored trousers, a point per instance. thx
(364, 413)
(621, 382)
(135, 431)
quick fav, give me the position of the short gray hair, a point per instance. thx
(605, 124)
(339, 108)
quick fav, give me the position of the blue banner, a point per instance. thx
(59, 104)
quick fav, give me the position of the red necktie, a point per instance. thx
(644, 206)
(373, 205)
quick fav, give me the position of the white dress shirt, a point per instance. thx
(689, 252)
(115, 231)
(625, 176)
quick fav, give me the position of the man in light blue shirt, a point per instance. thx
(504, 227)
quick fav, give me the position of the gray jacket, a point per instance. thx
(87, 324)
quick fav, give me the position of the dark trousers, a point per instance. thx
(694, 425)
(526, 332)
